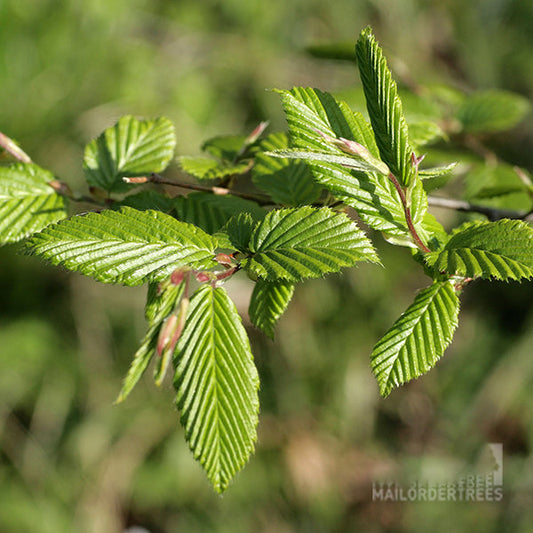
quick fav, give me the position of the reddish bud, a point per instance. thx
(177, 276)
(139, 179)
(60, 188)
(202, 277)
(224, 259)
(166, 334)
(256, 133)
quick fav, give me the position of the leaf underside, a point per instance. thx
(127, 246)
(217, 386)
(417, 340)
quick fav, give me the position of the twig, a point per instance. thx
(407, 211)
(13, 149)
(221, 191)
(492, 213)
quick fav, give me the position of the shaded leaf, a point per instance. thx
(287, 182)
(211, 212)
(225, 147)
(417, 340)
(205, 169)
(217, 383)
(149, 199)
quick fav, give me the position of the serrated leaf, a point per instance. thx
(370, 193)
(225, 147)
(211, 212)
(492, 111)
(206, 169)
(217, 383)
(239, 231)
(268, 302)
(417, 340)
(132, 147)
(436, 172)
(287, 182)
(126, 246)
(501, 250)
(27, 202)
(385, 109)
(307, 242)
(159, 305)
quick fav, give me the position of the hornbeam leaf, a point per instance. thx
(313, 116)
(130, 148)
(418, 338)
(307, 242)
(217, 386)
(500, 250)
(126, 246)
(268, 302)
(385, 109)
(288, 182)
(211, 212)
(159, 307)
(204, 168)
(27, 202)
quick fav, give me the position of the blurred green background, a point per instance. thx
(71, 461)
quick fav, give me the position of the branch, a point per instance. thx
(221, 191)
(492, 213)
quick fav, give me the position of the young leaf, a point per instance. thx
(160, 306)
(126, 246)
(217, 383)
(211, 212)
(385, 109)
(268, 302)
(418, 338)
(501, 250)
(288, 182)
(27, 202)
(492, 111)
(130, 148)
(293, 244)
(372, 194)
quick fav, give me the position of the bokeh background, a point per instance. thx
(71, 461)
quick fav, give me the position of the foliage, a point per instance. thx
(299, 226)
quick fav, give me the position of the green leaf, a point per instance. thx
(159, 305)
(293, 244)
(130, 148)
(385, 109)
(268, 302)
(126, 246)
(225, 147)
(287, 182)
(27, 202)
(418, 338)
(492, 111)
(423, 133)
(211, 212)
(372, 194)
(239, 231)
(217, 383)
(205, 169)
(501, 250)
(145, 200)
